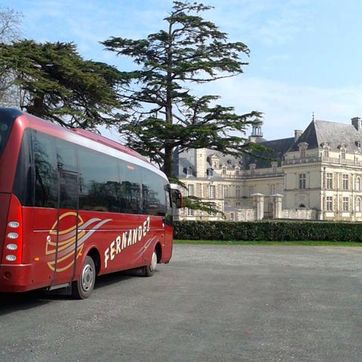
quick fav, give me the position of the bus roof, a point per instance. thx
(51, 128)
(108, 142)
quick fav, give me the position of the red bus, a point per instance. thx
(75, 205)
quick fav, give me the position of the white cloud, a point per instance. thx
(287, 107)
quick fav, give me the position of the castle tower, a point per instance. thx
(256, 132)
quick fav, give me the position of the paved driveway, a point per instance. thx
(211, 303)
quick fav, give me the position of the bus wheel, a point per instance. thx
(149, 270)
(83, 287)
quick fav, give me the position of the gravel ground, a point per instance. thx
(211, 303)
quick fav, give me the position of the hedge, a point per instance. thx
(268, 230)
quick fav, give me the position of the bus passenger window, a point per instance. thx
(130, 191)
(46, 174)
(99, 181)
(153, 193)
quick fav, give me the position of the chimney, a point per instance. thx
(356, 123)
(297, 134)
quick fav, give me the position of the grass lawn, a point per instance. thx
(261, 242)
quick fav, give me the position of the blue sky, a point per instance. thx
(305, 55)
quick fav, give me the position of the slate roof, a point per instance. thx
(331, 133)
(275, 150)
(316, 134)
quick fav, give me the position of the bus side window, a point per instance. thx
(130, 190)
(46, 174)
(99, 181)
(153, 193)
(68, 175)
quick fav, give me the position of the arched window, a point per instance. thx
(358, 204)
(358, 184)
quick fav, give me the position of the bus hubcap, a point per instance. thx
(154, 261)
(87, 277)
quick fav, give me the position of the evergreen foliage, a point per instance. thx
(166, 116)
(59, 85)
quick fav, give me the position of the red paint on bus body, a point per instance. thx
(54, 242)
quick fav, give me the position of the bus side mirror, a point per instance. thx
(177, 199)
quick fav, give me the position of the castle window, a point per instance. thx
(238, 192)
(342, 150)
(329, 203)
(358, 184)
(358, 204)
(329, 183)
(199, 190)
(191, 189)
(326, 148)
(190, 212)
(226, 191)
(210, 172)
(345, 182)
(274, 166)
(302, 181)
(212, 192)
(252, 168)
(302, 149)
(345, 204)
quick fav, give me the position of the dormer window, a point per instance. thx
(326, 148)
(189, 171)
(274, 165)
(342, 150)
(302, 149)
(252, 168)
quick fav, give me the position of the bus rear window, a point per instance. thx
(7, 117)
(4, 133)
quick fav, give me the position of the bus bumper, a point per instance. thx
(16, 278)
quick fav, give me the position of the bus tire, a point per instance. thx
(149, 269)
(82, 288)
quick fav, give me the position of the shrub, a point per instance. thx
(268, 230)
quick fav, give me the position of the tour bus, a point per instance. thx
(75, 205)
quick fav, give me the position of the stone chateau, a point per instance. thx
(314, 175)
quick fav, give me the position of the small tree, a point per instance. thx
(9, 31)
(166, 115)
(59, 85)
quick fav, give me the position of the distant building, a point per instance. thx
(314, 175)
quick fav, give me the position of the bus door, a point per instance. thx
(69, 221)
